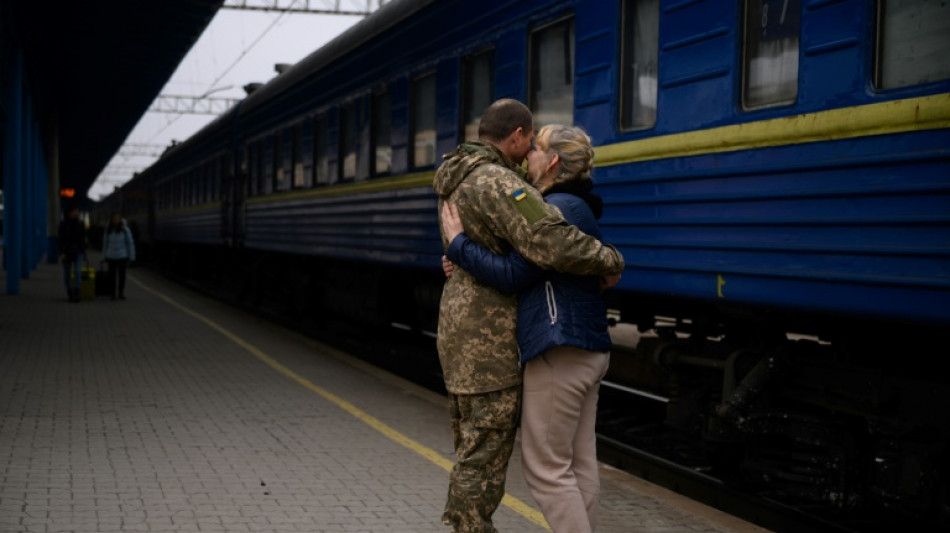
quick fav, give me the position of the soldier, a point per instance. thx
(477, 338)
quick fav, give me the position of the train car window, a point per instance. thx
(363, 136)
(282, 163)
(254, 169)
(423, 120)
(912, 42)
(306, 146)
(197, 182)
(297, 157)
(552, 74)
(267, 164)
(348, 142)
(639, 60)
(382, 132)
(209, 177)
(770, 53)
(478, 90)
(321, 167)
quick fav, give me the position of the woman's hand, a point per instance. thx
(609, 281)
(451, 222)
(447, 266)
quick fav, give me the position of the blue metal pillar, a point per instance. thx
(26, 189)
(13, 178)
(52, 194)
(39, 196)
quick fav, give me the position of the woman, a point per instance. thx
(118, 249)
(562, 335)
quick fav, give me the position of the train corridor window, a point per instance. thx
(423, 121)
(912, 42)
(639, 60)
(321, 167)
(382, 132)
(478, 89)
(770, 53)
(552, 74)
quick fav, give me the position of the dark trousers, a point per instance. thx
(117, 275)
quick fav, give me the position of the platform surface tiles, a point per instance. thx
(169, 412)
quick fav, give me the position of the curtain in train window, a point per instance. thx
(348, 142)
(771, 49)
(268, 163)
(322, 162)
(639, 60)
(552, 74)
(305, 146)
(423, 121)
(297, 156)
(382, 133)
(477, 91)
(913, 42)
(261, 168)
(282, 160)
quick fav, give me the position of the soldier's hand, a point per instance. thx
(609, 281)
(447, 266)
(451, 222)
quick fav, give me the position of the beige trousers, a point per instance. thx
(559, 448)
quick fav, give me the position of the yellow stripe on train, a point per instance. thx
(925, 113)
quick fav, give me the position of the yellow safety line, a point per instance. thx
(510, 501)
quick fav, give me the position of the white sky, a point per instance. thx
(237, 48)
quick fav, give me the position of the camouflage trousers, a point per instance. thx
(484, 428)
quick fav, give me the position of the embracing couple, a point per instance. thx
(522, 326)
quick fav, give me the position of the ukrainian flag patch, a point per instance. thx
(528, 205)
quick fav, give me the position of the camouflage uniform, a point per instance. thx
(477, 342)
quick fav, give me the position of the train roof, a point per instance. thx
(386, 17)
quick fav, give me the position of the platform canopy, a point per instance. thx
(94, 68)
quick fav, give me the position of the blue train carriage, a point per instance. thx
(338, 155)
(773, 168)
(806, 171)
(188, 201)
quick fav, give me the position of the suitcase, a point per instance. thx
(87, 286)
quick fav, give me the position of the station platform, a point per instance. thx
(169, 412)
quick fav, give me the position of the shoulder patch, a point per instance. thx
(529, 206)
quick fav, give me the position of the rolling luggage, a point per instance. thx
(87, 286)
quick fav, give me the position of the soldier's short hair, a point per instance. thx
(503, 117)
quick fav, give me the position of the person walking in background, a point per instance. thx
(118, 249)
(71, 239)
(476, 338)
(562, 335)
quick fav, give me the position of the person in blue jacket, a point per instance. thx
(562, 335)
(118, 249)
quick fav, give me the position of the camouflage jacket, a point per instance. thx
(477, 340)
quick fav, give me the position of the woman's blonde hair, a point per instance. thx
(573, 148)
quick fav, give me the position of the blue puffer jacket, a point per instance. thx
(554, 309)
